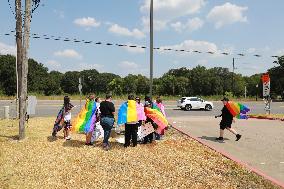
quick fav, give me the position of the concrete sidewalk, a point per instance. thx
(261, 145)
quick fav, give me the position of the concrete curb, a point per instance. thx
(274, 181)
(267, 118)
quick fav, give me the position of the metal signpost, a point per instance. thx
(80, 90)
(266, 91)
(151, 47)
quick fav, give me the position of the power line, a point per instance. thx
(165, 49)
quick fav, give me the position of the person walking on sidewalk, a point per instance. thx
(226, 122)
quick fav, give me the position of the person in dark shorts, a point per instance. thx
(107, 119)
(226, 122)
(131, 129)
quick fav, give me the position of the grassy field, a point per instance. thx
(39, 161)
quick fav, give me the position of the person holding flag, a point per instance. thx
(226, 122)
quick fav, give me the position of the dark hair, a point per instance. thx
(108, 96)
(147, 98)
(138, 98)
(91, 96)
(66, 100)
(96, 99)
(225, 99)
(159, 100)
(131, 97)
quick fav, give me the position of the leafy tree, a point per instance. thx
(252, 82)
(116, 86)
(89, 81)
(70, 82)
(130, 84)
(180, 72)
(8, 74)
(239, 87)
(37, 76)
(143, 84)
(102, 81)
(200, 81)
(182, 86)
(168, 83)
(53, 83)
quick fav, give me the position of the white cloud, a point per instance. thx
(191, 45)
(133, 49)
(158, 24)
(119, 30)
(7, 49)
(87, 22)
(202, 46)
(166, 11)
(227, 14)
(68, 53)
(128, 65)
(191, 25)
(85, 66)
(171, 9)
(53, 64)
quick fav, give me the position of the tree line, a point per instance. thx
(199, 81)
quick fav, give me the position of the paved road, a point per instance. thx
(46, 108)
(261, 145)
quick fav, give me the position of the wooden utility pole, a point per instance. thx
(22, 60)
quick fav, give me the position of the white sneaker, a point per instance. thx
(68, 138)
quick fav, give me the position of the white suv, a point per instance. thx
(188, 103)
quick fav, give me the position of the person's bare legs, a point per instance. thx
(221, 133)
(235, 133)
(88, 137)
(65, 133)
(232, 130)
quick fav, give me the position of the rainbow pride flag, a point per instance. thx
(86, 119)
(238, 110)
(157, 116)
(130, 111)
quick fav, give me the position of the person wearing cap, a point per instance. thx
(226, 122)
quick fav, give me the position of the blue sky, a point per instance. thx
(235, 26)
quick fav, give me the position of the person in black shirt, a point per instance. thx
(226, 122)
(107, 119)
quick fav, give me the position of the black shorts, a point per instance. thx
(67, 125)
(225, 124)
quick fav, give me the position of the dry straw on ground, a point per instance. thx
(175, 162)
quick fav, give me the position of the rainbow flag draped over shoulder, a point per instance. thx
(238, 110)
(130, 111)
(86, 119)
(157, 116)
